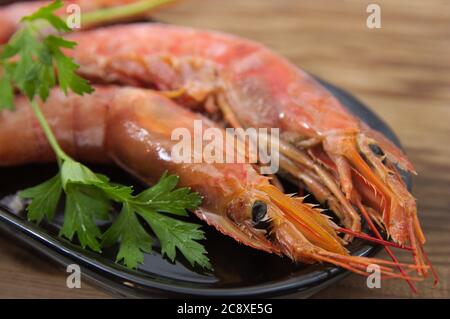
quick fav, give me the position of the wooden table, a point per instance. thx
(401, 70)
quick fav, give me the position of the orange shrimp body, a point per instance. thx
(344, 163)
(133, 128)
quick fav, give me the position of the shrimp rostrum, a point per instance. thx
(350, 168)
(132, 127)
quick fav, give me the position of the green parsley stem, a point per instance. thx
(60, 154)
(120, 12)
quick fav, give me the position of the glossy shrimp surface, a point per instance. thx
(347, 166)
(132, 128)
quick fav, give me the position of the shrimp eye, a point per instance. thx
(376, 150)
(259, 211)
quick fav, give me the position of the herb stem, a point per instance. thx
(60, 154)
(120, 12)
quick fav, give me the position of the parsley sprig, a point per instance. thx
(32, 63)
(29, 60)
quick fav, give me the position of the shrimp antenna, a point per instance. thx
(388, 250)
(372, 239)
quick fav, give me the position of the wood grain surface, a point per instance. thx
(402, 71)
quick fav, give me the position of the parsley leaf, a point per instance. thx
(173, 233)
(75, 172)
(79, 217)
(89, 198)
(164, 198)
(132, 236)
(66, 67)
(47, 13)
(34, 63)
(6, 92)
(45, 198)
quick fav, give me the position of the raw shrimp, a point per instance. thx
(348, 166)
(132, 127)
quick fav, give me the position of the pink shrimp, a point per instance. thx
(344, 163)
(132, 127)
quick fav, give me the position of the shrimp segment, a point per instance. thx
(343, 162)
(133, 128)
